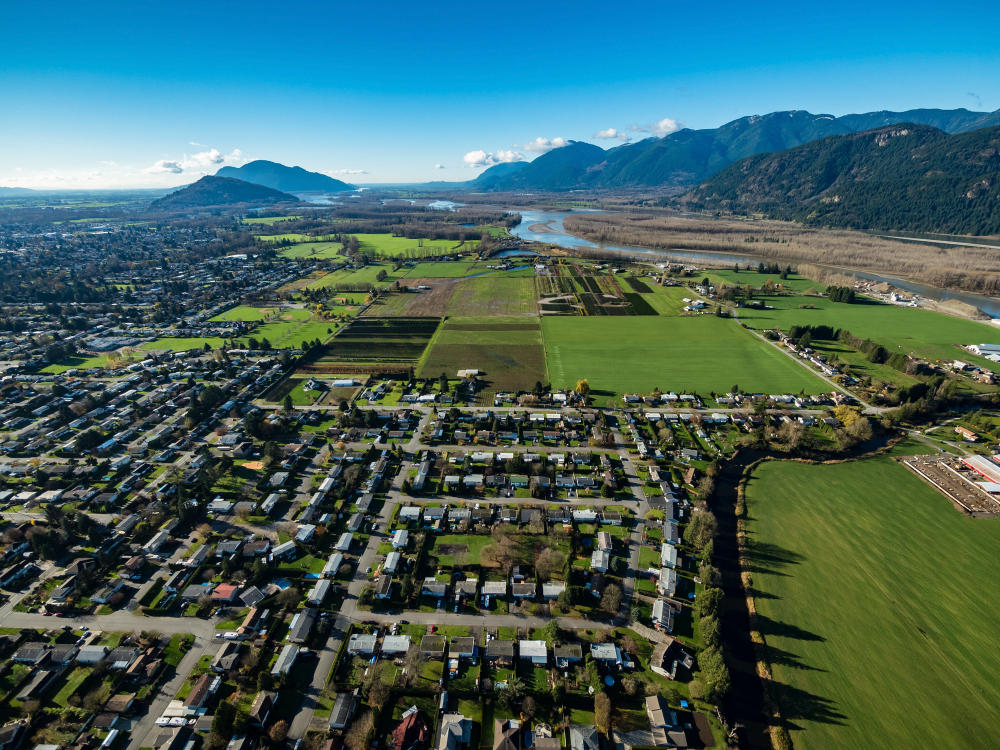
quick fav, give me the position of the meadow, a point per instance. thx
(899, 329)
(76, 362)
(493, 295)
(696, 354)
(390, 246)
(878, 604)
(508, 351)
(794, 282)
(669, 300)
(183, 345)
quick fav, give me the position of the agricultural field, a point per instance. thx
(269, 220)
(669, 300)
(448, 269)
(388, 245)
(313, 250)
(507, 351)
(899, 329)
(878, 607)
(697, 354)
(396, 341)
(290, 328)
(481, 296)
(493, 295)
(365, 275)
(246, 313)
(794, 282)
(292, 237)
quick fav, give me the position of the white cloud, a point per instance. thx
(666, 126)
(440, 166)
(164, 166)
(332, 172)
(544, 145)
(195, 163)
(199, 145)
(612, 134)
(479, 159)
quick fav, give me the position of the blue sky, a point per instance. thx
(120, 95)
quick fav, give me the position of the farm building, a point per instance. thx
(984, 466)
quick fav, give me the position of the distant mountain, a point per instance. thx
(560, 169)
(287, 179)
(904, 176)
(220, 191)
(688, 156)
(496, 173)
(15, 192)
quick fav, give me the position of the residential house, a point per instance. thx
(667, 585)
(261, 707)
(499, 652)
(600, 561)
(567, 653)
(536, 652)
(343, 710)
(432, 646)
(285, 660)
(301, 625)
(454, 732)
(362, 644)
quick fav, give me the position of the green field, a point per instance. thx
(269, 219)
(899, 329)
(754, 279)
(507, 351)
(493, 295)
(878, 607)
(365, 275)
(247, 313)
(669, 300)
(388, 245)
(313, 250)
(183, 345)
(280, 237)
(697, 354)
(78, 362)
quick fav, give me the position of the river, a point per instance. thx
(556, 234)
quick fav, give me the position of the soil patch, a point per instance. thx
(254, 465)
(452, 549)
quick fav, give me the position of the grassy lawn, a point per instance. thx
(680, 354)
(309, 564)
(243, 312)
(869, 578)
(69, 684)
(175, 650)
(182, 345)
(474, 543)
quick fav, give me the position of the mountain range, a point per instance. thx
(898, 177)
(688, 157)
(287, 179)
(220, 191)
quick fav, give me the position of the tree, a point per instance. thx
(94, 700)
(602, 713)
(551, 561)
(551, 632)
(528, 708)
(612, 598)
(708, 602)
(278, 732)
(289, 598)
(709, 630)
(30, 708)
(583, 387)
(287, 402)
(413, 663)
(205, 532)
(265, 681)
(359, 734)
(714, 671)
(225, 715)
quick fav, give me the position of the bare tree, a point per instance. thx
(359, 734)
(602, 713)
(549, 562)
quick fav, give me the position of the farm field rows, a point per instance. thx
(898, 329)
(878, 607)
(508, 351)
(400, 341)
(699, 354)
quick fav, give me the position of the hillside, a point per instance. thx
(287, 179)
(16, 191)
(687, 157)
(220, 191)
(560, 169)
(899, 177)
(497, 172)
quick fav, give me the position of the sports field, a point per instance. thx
(507, 351)
(76, 362)
(246, 313)
(898, 329)
(636, 355)
(878, 607)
